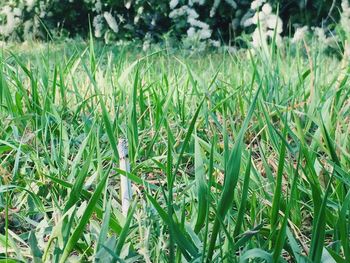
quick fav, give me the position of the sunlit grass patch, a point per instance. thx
(233, 155)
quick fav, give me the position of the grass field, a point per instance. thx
(234, 157)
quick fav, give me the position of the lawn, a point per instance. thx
(235, 157)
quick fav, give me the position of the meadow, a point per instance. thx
(235, 157)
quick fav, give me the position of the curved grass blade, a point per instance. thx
(202, 190)
(243, 204)
(281, 237)
(125, 230)
(72, 241)
(186, 246)
(319, 226)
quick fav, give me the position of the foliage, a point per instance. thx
(150, 20)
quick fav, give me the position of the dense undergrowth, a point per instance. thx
(234, 156)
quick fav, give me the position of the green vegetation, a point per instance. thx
(235, 157)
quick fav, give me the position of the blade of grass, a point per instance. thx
(125, 231)
(202, 191)
(244, 195)
(72, 241)
(231, 178)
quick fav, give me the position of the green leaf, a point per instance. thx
(72, 241)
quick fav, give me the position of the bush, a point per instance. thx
(150, 19)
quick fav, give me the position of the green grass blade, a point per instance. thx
(231, 178)
(124, 234)
(244, 195)
(202, 191)
(72, 241)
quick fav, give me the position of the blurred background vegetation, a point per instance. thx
(152, 20)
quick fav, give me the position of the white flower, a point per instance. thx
(98, 25)
(258, 38)
(204, 34)
(178, 12)
(248, 22)
(42, 8)
(320, 34)
(345, 16)
(192, 13)
(323, 39)
(197, 23)
(191, 32)
(230, 49)
(214, 7)
(173, 4)
(267, 9)
(112, 23)
(269, 26)
(215, 43)
(146, 45)
(29, 4)
(278, 40)
(346, 50)
(299, 34)
(274, 22)
(28, 25)
(12, 21)
(128, 5)
(98, 6)
(200, 34)
(256, 4)
(259, 17)
(345, 7)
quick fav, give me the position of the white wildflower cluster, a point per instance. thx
(256, 4)
(198, 30)
(173, 4)
(12, 20)
(98, 6)
(300, 34)
(12, 16)
(147, 42)
(199, 33)
(102, 20)
(268, 25)
(97, 23)
(345, 23)
(29, 4)
(322, 38)
(345, 16)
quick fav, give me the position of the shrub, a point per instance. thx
(188, 20)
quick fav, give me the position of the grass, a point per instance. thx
(234, 157)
